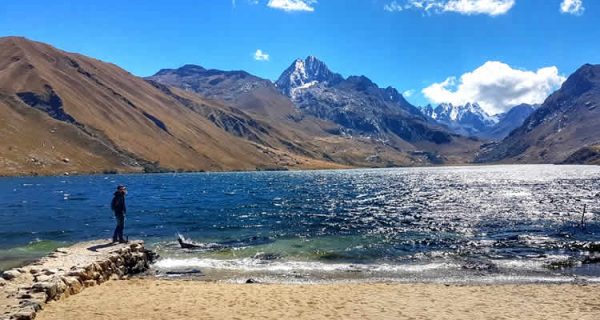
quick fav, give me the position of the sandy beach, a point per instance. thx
(159, 299)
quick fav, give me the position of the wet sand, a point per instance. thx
(159, 299)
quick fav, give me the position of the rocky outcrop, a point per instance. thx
(68, 271)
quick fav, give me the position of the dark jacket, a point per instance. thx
(118, 203)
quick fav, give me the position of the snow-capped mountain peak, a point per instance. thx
(471, 119)
(458, 113)
(306, 73)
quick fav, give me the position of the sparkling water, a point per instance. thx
(515, 223)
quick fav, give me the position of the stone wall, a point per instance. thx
(67, 271)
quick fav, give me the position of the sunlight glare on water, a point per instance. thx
(514, 221)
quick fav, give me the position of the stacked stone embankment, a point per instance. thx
(24, 291)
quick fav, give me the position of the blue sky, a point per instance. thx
(398, 43)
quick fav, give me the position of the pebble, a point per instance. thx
(49, 272)
(10, 274)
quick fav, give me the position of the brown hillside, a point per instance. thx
(108, 119)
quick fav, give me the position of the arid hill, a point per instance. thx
(64, 112)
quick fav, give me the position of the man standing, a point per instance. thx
(118, 207)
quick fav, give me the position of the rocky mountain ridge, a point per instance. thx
(358, 105)
(352, 108)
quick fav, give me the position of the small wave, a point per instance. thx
(536, 239)
(250, 264)
(530, 264)
(520, 264)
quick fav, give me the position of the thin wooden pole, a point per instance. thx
(583, 215)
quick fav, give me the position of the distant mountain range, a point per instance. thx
(64, 112)
(353, 110)
(471, 120)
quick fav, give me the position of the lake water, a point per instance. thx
(451, 224)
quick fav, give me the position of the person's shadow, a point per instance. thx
(101, 246)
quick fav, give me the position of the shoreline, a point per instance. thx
(136, 173)
(92, 279)
(316, 272)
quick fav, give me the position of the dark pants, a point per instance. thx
(118, 235)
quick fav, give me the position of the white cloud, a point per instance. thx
(574, 7)
(259, 55)
(491, 7)
(466, 7)
(393, 6)
(496, 87)
(408, 93)
(292, 5)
